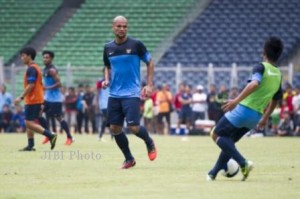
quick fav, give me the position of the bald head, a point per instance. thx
(119, 19)
(119, 28)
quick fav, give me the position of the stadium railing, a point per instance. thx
(234, 76)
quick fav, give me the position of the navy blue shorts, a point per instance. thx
(32, 111)
(185, 114)
(121, 108)
(226, 129)
(53, 109)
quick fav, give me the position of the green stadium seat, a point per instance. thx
(90, 28)
(20, 21)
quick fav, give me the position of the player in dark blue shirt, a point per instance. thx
(122, 58)
(185, 114)
(53, 97)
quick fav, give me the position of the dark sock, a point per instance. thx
(52, 119)
(65, 127)
(101, 134)
(43, 123)
(143, 134)
(111, 135)
(123, 144)
(103, 126)
(48, 134)
(228, 146)
(220, 164)
(30, 142)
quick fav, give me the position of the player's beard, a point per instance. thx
(121, 35)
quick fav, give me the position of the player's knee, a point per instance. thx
(28, 123)
(115, 130)
(213, 135)
(134, 129)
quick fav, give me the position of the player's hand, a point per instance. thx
(17, 101)
(105, 84)
(262, 123)
(147, 90)
(229, 105)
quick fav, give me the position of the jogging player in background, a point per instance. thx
(33, 96)
(53, 96)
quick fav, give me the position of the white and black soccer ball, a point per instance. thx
(230, 169)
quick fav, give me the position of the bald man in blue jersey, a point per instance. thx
(122, 58)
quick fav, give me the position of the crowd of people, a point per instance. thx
(189, 103)
(85, 109)
(195, 103)
(11, 119)
(78, 104)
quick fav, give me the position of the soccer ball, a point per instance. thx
(230, 169)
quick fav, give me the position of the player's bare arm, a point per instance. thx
(27, 90)
(56, 78)
(106, 82)
(147, 90)
(250, 88)
(263, 121)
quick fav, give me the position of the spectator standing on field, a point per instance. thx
(5, 99)
(212, 104)
(89, 101)
(199, 104)
(70, 105)
(163, 100)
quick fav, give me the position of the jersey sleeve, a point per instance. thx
(278, 95)
(143, 53)
(257, 73)
(31, 75)
(105, 58)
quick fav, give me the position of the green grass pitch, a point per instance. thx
(178, 172)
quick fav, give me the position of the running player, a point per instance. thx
(252, 106)
(53, 96)
(122, 74)
(33, 99)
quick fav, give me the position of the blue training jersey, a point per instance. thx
(124, 62)
(51, 95)
(242, 116)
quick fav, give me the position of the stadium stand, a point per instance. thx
(20, 22)
(228, 31)
(233, 31)
(80, 42)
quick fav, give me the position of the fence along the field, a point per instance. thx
(72, 76)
